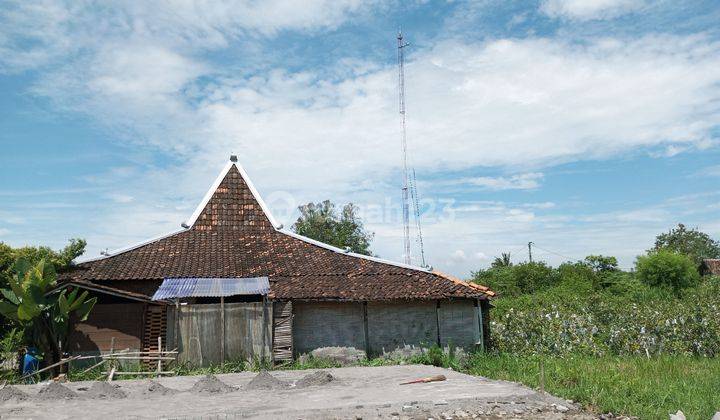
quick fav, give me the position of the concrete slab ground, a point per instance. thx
(355, 392)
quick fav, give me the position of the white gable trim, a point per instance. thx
(352, 254)
(198, 211)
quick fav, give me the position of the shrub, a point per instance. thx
(667, 269)
(518, 279)
(641, 321)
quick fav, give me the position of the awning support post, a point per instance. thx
(222, 331)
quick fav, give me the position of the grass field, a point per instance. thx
(647, 388)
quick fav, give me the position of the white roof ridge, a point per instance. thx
(352, 254)
(266, 210)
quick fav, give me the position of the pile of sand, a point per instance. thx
(211, 385)
(106, 390)
(320, 377)
(155, 388)
(264, 380)
(11, 393)
(56, 391)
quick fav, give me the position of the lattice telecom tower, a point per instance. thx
(409, 188)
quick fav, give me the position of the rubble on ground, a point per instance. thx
(56, 391)
(210, 384)
(11, 393)
(320, 377)
(342, 355)
(107, 390)
(264, 380)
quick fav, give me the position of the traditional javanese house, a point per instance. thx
(232, 282)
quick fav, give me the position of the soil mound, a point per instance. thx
(56, 391)
(106, 390)
(155, 388)
(264, 380)
(320, 377)
(11, 393)
(211, 385)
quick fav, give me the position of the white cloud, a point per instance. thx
(458, 256)
(33, 34)
(527, 181)
(121, 198)
(520, 104)
(589, 9)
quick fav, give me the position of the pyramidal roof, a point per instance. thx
(233, 234)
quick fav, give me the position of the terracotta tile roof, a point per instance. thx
(711, 266)
(233, 235)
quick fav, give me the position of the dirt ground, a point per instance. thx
(344, 393)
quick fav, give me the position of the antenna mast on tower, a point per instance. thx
(409, 184)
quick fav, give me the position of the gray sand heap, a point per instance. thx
(56, 391)
(155, 388)
(104, 389)
(264, 380)
(320, 377)
(211, 385)
(11, 393)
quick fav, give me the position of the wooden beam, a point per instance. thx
(365, 329)
(222, 330)
(437, 322)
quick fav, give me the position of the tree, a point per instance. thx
(321, 222)
(514, 280)
(691, 242)
(32, 303)
(59, 259)
(502, 261)
(601, 263)
(665, 268)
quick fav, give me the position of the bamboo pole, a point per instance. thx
(159, 359)
(62, 362)
(93, 366)
(167, 372)
(222, 330)
(112, 350)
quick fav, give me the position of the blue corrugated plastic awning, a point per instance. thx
(211, 287)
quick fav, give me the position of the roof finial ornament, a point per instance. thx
(233, 158)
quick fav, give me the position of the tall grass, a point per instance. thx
(647, 388)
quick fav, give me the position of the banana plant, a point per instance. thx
(33, 301)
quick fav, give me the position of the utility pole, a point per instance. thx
(530, 244)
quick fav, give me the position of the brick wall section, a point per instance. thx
(459, 323)
(327, 324)
(396, 324)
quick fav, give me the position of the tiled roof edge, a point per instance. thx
(131, 247)
(471, 285)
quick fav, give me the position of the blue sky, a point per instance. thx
(585, 126)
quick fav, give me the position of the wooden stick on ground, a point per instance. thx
(436, 378)
(111, 374)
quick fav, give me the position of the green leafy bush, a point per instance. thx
(637, 321)
(667, 269)
(518, 279)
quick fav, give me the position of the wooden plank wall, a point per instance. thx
(282, 331)
(247, 332)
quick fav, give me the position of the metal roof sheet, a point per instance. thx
(172, 288)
